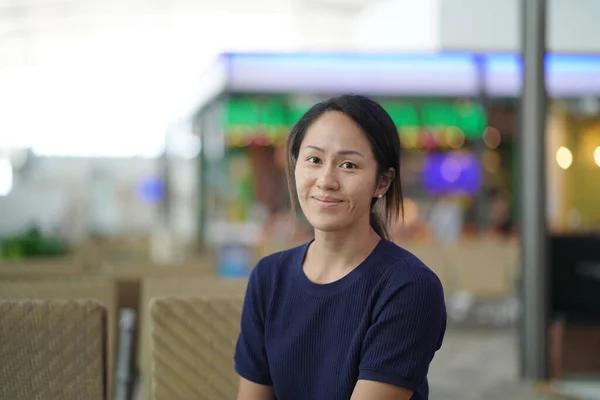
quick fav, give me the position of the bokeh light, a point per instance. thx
(492, 137)
(564, 157)
(597, 156)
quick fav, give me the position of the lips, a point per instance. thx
(326, 201)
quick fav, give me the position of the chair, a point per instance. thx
(193, 346)
(52, 349)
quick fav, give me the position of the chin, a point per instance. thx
(327, 224)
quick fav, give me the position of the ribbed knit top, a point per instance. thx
(383, 322)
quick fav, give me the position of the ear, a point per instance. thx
(385, 180)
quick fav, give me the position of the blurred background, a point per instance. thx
(141, 143)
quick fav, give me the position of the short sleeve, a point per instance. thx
(250, 355)
(408, 326)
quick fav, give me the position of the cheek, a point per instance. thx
(303, 177)
(362, 191)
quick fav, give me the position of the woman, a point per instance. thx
(348, 315)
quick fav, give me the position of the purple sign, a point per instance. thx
(151, 190)
(451, 174)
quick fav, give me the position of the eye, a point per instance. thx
(348, 165)
(313, 160)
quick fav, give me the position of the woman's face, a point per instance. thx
(336, 174)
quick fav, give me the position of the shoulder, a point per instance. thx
(404, 274)
(276, 266)
(270, 273)
(403, 266)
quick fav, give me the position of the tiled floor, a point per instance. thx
(478, 365)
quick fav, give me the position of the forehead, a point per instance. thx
(334, 130)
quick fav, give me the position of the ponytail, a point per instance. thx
(376, 223)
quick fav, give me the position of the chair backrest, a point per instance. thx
(187, 287)
(483, 270)
(73, 288)
(193, 346)
(52, 349)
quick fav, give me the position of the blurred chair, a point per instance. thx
(193, 346)
(71, 288)
(483, 270)
(182, 286)
(52, 349)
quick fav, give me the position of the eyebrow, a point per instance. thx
(342, 152)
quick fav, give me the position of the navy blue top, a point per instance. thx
(382, 322)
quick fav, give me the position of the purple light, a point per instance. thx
(151, 190)
(451, 173)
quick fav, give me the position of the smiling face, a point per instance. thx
(336, 174)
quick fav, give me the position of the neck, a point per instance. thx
(334, 254)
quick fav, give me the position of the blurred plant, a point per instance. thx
(32, 243)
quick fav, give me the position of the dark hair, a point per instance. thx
(380, 130)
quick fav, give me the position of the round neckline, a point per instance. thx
(324, 289)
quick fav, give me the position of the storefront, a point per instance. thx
(573, 159)
(439, 136)
(457, 130)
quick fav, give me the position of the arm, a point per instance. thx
(253, 391)
(409, 322)
(372, 390)
(250, 354)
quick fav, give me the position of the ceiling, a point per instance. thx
(71, 70)
(29, 29)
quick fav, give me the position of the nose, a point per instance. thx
(328, 179)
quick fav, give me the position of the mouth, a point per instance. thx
(326, 202)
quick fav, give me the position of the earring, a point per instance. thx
(380, 196)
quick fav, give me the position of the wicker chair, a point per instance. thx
(52, 349)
